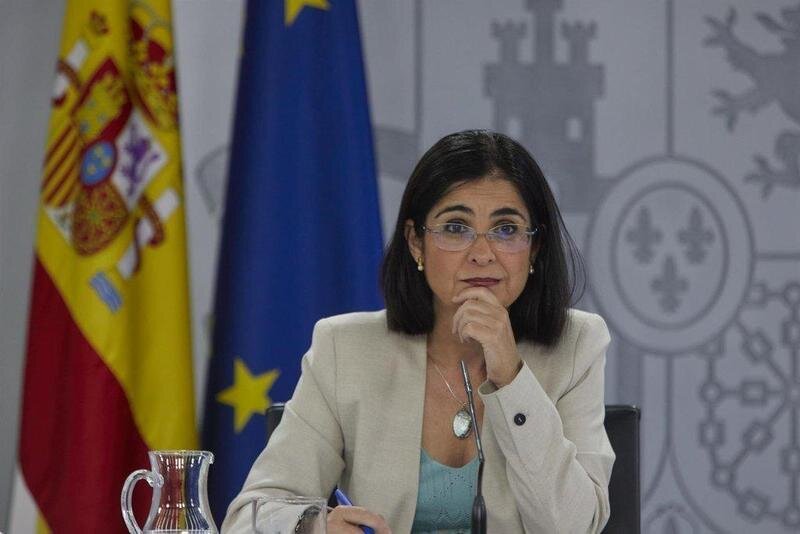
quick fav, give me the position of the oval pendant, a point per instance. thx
(462, 423)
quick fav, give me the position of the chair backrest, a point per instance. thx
(274, 414)
(622, 427)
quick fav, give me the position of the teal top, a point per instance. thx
(444, 501)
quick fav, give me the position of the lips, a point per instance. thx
(482, 282)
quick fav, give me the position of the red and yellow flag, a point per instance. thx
(108, 373)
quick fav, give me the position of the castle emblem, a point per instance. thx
(560, 127)
(104, 154)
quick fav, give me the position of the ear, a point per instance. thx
(413, 240)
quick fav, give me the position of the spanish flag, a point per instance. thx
(108, 373)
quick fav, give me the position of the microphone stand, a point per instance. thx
(478, 505)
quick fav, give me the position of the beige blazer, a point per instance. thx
(355, 419)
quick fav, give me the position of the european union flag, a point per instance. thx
(301, 234)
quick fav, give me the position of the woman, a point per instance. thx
(476, 271)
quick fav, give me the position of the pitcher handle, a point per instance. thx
(126, 500)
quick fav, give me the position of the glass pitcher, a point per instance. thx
(180, 498)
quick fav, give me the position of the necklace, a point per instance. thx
(462, 422)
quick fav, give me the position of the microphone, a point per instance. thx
(478, 505)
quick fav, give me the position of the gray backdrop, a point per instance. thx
(29, 33)
(670, 131)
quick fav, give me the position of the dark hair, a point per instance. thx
(540, 312)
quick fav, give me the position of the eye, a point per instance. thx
(454, 228)
(506, 230)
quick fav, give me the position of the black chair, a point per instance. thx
(622, 427)
(274, 414)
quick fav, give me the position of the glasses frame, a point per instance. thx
(491, 236)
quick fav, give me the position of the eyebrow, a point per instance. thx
(496, 213)
(507, 211)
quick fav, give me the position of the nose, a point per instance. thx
(480, 251)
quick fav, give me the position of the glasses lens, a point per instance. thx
(505, 237)
(509, 237)
(452, 236)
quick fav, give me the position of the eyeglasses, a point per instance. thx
(505, 237)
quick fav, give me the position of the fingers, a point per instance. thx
(473, 308)
(475, 331)
(483, 294)
(479, 299)
(474, 322)
(481, 318)
(345, 519)
(340, 527)
(486, 312)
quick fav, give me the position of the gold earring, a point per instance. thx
(530, 270)
(420, 266)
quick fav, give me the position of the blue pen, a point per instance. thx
(344, 500)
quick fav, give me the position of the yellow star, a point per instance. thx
(248, 394)
(292, 8)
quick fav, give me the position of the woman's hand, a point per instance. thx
(345, 520)
(482, 318)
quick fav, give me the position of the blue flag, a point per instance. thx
(301, 233)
